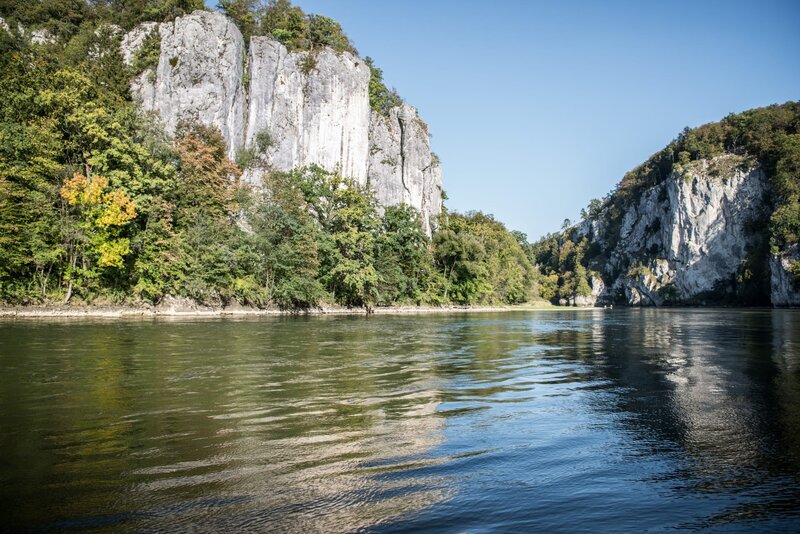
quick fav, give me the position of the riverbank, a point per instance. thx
(177, 310)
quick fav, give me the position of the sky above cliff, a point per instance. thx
(536, 108)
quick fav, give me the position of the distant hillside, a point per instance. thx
(713, 218)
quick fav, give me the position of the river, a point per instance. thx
(549, 420)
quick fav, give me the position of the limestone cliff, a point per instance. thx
(198, 76)
(690, 238)
(783, 289)
(402, 168)
(312, 107)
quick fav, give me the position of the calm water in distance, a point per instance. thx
(623, 420)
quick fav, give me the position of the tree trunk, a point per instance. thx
(73, 261)
(45, 278)
(69, 292)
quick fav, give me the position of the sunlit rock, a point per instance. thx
(305, 108)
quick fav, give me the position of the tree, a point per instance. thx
(205, 207)
(346, 215)
(324, 31)
(284, 239)
(381, 99)
(403, 258)
(286, 23)
(351, 275)
(96, 241)
(243, 13)
(208, 178)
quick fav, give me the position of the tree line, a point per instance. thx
(98, 205)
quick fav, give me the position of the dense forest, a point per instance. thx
(98, 205)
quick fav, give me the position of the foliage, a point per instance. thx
(61, 18)
(324, 31)
(148, 54)
(403, 259)
(561, 260)
(346, 214)
(64, 18)
(129, 13)
(285, 242)
(255, 154)
(482, 261)
(243, 13)
(381, 99)
(320, 237)
(288, 24)
(68, 125)
(102, 214)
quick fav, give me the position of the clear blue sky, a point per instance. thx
(537, 107)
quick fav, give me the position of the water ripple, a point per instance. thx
(632, 421)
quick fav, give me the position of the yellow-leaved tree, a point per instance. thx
(95, 240)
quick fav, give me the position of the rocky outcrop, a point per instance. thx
(402, 168)
(597, 287)
(42, 36)
(199, 74)
(784, 287)
(686, 239)
(315, 108)
(310, 108)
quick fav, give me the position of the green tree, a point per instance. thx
(285, 237)
(346, 214)
(381, 99)
(243, 13)
(403, 258)
(324, 31)
(285, 23)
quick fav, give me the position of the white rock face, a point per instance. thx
(598, 287)
(687, 237)
(42, 37)
(783, 291)
(199, 74)
(643, 286)
(315, 109)
(402, 168)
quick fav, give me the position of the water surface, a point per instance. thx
(522, 421)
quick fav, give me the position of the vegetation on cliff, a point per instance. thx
(288, 24)
(298, 31)
(769, 137)
(97, 204)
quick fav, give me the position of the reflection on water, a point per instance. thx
(627, 419)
